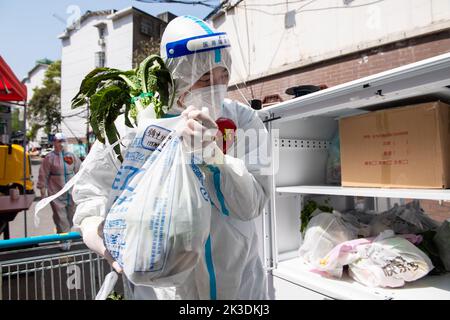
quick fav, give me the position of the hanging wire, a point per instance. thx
(206, 3)
(254, 7)
(74, 115)
(68, 127)
(298, 10)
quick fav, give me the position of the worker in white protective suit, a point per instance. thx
(231, 267)
(58, 167)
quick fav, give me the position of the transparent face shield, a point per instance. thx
(201, 67)
(201, 76)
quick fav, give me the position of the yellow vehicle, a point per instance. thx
(11, 169)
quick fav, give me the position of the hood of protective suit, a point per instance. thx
(192, 48)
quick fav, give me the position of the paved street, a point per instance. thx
(17, 227)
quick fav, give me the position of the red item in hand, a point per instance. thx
(226, 134)
(68, 160)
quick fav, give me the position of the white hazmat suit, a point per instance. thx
(231, 267)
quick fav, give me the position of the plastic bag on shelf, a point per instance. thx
(404, 219)
(359, 220)
(324, 232)
(343, 254)
(389, 261)
(347, 252)
(333, 174)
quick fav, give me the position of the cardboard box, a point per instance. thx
(405, 147)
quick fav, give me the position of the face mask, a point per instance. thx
(64, 146)
(210, 97)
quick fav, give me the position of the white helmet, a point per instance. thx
(60, 136)
(191, 48)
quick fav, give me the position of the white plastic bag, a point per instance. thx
(360, 221)
(348, 252)
(107, 286)
(389, 261)
(323, 233)
(159, 214)
(405, 219)
(341, 255)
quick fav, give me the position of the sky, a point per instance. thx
(29, 28)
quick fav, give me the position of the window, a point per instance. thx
(146, 27)
(101, 32)
(3, 127)
(100, 59)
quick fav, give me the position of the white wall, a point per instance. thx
(78, 59)
(35, 80)
(323, 29)
(119, 47)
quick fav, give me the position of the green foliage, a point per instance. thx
(115, 296)
(15, 122)
(31, 134)
(111, 92)
(430, 249)
(309, 208)
(44, 109)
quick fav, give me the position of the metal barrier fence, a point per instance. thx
(46, 273)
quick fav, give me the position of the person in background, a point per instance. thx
(58, 167)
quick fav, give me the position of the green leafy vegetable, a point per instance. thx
(308, 210)
(111, 92)
(115, 296)
(430, 249)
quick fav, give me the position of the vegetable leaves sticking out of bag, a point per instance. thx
(111, 92)
(308, 210)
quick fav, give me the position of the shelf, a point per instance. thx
(423, 194)
(429, 287)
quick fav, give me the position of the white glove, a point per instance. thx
(92, 231)
(199, 135)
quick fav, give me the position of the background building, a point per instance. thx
(33, 80)
(278, 45)
(107, 38)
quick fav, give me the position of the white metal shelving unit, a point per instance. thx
(422, 194)
(427, 288)
(306, 126)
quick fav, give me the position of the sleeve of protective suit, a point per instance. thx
(90, 193)
(241, 189)
(44, 172)
(77, 165)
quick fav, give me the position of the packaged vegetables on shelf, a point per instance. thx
(324, 232)
(402, 219)
(384, 261)
(359, 220)
(389, 261)
(380, 250)
(312, 207)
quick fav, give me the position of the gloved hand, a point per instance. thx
(199, 135)
(92, 231)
